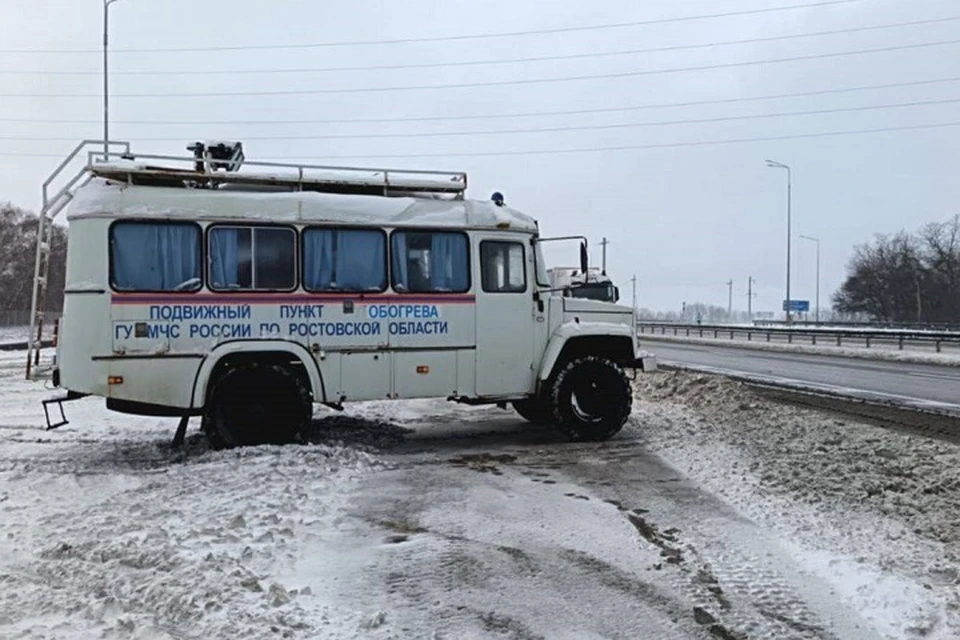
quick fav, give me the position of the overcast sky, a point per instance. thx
(684, 219)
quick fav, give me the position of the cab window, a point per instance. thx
(502, 267)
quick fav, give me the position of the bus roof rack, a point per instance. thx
(200, 170)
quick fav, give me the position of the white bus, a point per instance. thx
(247, 295)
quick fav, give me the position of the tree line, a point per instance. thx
(18, 246)
(906, 277)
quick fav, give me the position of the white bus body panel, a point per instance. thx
(355, 346)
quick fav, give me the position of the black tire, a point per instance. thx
(534, 410)
(592, 399)
(255, 404)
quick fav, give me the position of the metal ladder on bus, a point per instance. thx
(51, 207)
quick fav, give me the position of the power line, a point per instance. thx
(594, 127)
(573, 56)
(672, 145)
(485, 36)
(525, 152)
(495, 83)
(663, 105)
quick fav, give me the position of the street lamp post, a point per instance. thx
(106, 89)
(817, 240)
(780, 165)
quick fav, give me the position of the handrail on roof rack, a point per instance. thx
(47, 201)
(139, 169)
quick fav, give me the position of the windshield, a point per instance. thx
(594, 291)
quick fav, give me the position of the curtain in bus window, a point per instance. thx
(516, 280)
(400, 255)
(155, 257)
(360, 260)
(344, 260)
(448, 262)
(225, 257)
(317, 259)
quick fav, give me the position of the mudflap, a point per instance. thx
(646, 364)
(181, 433)
(58, 401)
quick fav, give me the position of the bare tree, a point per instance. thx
(18, 236)
(906, 278)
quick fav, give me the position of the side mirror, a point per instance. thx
(616, 294)
(583, 257)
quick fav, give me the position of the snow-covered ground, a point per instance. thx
(714, 514)
(13, 334)
(873, 512)
(877, 352)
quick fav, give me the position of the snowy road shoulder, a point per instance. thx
(712, 515)
(873, 512)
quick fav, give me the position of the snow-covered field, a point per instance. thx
(13, 334)
(715, 514)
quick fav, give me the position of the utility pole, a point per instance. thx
(730, 301)
(750, 295)
(604, 243)
(106, 100)
(633, 281)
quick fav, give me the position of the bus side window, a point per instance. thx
(261, 258)
(155, 256)
(353, 260)
(430, 262)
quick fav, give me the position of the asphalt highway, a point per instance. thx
(917, 385)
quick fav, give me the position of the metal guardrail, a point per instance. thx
(22, 346)
(795, 335)
(906, 326)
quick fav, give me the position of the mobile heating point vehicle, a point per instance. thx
(246, 292)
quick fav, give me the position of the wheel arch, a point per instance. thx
(282, 352)
(576, 340)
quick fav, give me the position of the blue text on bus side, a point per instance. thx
(177, 312)
(398, 311)
(330, 329)
(431, 327)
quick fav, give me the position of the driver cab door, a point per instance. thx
(505, 315)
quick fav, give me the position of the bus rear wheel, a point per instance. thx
(255, 404)
(592, 399)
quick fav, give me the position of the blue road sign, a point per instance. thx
(800, 306)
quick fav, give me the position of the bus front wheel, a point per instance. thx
(592, 399)
(255, 404)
